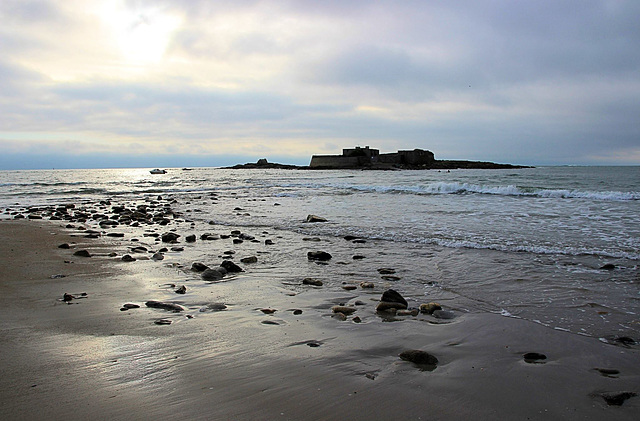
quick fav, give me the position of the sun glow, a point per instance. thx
(140, 35)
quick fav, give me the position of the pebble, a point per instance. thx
(199, 267)
(617, 398)
(344, 310)
(252, 259)
(367, 285)
(214, 274)
(163, 322)
(407, 312)
(534, 358)
(181, 290)
(419, 357)
(312, 281)
(82, 253)
(64, 246)
(231, 267)
(319, 255)
(165, 305)
(315, 218)
(349, 287)
(429, 308)
(268, 310)
(128, 258)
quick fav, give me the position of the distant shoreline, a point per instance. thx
(436, 165)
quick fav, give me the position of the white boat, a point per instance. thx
(158, 171)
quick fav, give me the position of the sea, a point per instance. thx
(557, 246)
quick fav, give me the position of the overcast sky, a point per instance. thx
(98, 83)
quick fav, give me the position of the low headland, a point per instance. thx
(371, 159)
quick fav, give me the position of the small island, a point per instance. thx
(371, 159)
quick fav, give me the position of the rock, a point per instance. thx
(129, 306)
(443, 314)
(268, 310)
(67, 297)
(340, 316)
(311, 281)
(386, 271)
(128, 258)
(115, 234)
(139, 249)
(315, 218)
(177, 248)
(164, 305)
(297, 312)
(344, 310)
(269, 322)
(608, 372)
(534, 358)
(158, 256)
(608, 266)
(390, 278)
(190, 238)
(389, 307)
(419, 357)
(181, 290)
(367, 285)
(214, 274)
(407, 312)
(319, 255)
(429, 308)
(349, 287)
(170, 237)
(268, 242)
(213, 307)
(356, 319)
(82, 253)
(231, 267)
(199, 267)
(617, 398)
(252, 259)
(358, 257)
(393, 296)
(64, 246)
(163, 322)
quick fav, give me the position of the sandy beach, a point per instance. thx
(86, 358)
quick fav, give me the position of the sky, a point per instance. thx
(160, 83)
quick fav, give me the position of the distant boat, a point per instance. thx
(186, 169)
(157, 171)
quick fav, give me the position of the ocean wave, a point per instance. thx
(509, 190)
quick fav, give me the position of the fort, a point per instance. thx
(367, 157)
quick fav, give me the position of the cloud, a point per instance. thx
(551, 81)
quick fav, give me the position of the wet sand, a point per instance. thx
(88, 359)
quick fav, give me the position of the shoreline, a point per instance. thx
(90, 359)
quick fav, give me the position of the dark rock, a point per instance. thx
(213, 307)
(199, 267)
(64, 246)
(350, 237)
(181, 290)
(129, 306)
(252, 259)
(158, 256)
(67, 297)
(115, 234)
(170, 237)
(177, 249)
(534, 357)
(237, 241)
(315, 218)
(214, 274)
(319, 255)
(231, 267)
(190, 238)
(268, 310)
(139, 249)
(386, 271)
(128, 258)
(358, 257)
(608, 266)
(617, 398)
(269, 322)
(163, 322)
(268, 242)
(367, 285)
(164, 305)
(82, 253)
(311, 281)
(429, 308)
(349, 287)
(297, 312)
(419, 357)
(608, 372)
(393, 296)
